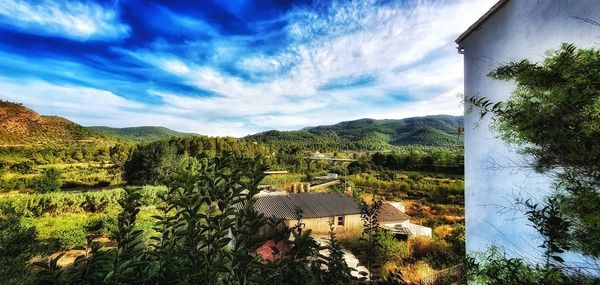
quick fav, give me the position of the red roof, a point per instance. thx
(271, 250)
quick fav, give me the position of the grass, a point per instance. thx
(282, 180)
(62, 232)
(73, 175)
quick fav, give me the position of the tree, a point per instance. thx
(553, 116)
(371, 231)
(338, 271)
(150, 164)
(49, 181)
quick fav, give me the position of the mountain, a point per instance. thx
(147, 133)
(439, 130)
(20, 125)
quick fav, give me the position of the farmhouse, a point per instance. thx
(318, 210)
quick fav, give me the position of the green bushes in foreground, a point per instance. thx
(204, 232)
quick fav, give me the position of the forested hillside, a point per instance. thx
(370, 134)
(145, 133)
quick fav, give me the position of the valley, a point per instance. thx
(68, 182)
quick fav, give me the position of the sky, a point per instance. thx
(232, 68)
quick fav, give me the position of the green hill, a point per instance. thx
(146, 133)
(370, 134)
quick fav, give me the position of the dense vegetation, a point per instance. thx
(81, 219)
(369, 134)
(201, 231)
(553, 116)
(147, 133)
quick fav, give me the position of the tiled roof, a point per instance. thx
(389, 213)
(313, 205)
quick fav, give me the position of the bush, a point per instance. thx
(62, 232)
(392, 250)
(49, 181)
(104, 224)
(16, 246)
(102, 183)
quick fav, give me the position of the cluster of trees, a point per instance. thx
(444, 191)
(369, 135)
(444, 160)
(154, 162)
(553, 116)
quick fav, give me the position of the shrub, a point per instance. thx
(62, 232)
(16, 245)
(392, 250)
(49, 181)
(102, 183)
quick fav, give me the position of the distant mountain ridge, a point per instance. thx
(20, 125)
(437, 130)
(144, 133)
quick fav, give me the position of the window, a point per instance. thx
(340, 221)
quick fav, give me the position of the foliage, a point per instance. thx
(150, 164)
(338, 271)
(140, 133)
(63, 232)
(369, 134)
(49, 181)
(552, 225)
(153, 163)
(17, 243)
(371, 232)
(58, 203)
(554, 116)
(494, 267)
(447, 160)
(432, 189)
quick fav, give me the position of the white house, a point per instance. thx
(392, 217)
(511, 30)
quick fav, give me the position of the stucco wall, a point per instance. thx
(521, 29)
(321, 225)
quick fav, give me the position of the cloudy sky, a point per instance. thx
(233, 67)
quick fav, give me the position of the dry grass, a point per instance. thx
(414, 272)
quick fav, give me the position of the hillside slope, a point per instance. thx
(371, 134)
(146, 133)
(20, 125)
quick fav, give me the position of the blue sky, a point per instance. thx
(233, 67)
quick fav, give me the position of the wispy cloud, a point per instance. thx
(307, 65)
(71, 19)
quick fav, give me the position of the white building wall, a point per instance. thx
(520, 29)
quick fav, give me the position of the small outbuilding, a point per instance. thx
(393, 218)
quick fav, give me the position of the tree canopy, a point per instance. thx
(553, 116)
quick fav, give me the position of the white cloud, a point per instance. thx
(408, 50)
(70, 19)
(91, 106)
